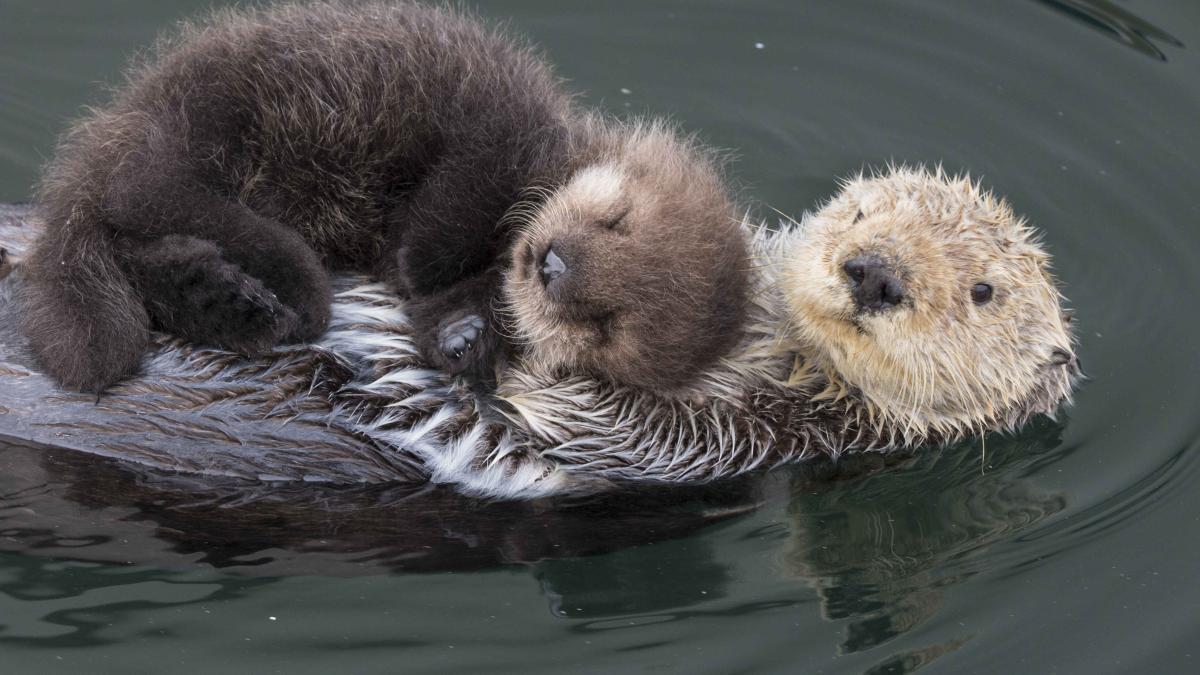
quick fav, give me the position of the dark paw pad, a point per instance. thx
(251, 302)
(258, 320)
(458, 337)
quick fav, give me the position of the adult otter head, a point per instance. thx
(636, 268)
(934, 301)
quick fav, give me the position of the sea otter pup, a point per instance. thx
(263, 147)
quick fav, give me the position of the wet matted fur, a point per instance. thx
(361, 406)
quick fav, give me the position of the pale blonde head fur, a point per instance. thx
(939, 363)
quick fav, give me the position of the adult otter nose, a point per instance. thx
(553, 266)
(873, 285)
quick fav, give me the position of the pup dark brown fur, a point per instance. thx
(260, 148)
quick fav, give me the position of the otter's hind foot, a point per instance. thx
(259, 319)
(191, 291)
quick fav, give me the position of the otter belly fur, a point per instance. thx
(258, 149)
(777, 397)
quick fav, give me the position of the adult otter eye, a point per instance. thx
(981, 293)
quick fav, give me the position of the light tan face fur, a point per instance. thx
(938, 360)
(657, 268)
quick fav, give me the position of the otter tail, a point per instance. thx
(85, 321)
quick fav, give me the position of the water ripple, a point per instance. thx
(1117, 23)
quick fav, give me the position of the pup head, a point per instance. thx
(935, 301)
(636, 269)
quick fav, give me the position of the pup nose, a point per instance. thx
(874, 285)
(552, 266)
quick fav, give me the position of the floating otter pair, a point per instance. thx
(257, 150)
(871, 329)
(823, 367)
(918, 311)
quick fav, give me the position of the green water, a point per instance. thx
(1071, 548)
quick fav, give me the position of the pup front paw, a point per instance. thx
(457, 338)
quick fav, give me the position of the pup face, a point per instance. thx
(934, 300)
(634, 270)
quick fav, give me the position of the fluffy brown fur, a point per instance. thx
(257, 149)
(644, 299)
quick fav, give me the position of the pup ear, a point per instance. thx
(1068, 316)
(1060, 357)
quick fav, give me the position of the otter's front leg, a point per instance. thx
(458, 328)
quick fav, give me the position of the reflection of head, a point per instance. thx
(876, 549)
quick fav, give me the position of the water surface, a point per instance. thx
(1067, 548)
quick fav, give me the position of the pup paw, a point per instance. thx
(261, 320)
(457, 338)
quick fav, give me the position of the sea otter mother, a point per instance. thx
(261, 147)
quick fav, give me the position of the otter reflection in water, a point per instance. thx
(67, 504)
(883, 551)
(880, 551)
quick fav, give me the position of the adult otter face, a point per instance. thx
(635, 270)
(934, 300)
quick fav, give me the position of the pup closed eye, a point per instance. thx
(615, 221)
(603, 324)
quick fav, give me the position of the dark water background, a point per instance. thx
(1075, 549)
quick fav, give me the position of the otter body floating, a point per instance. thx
(360, 406)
